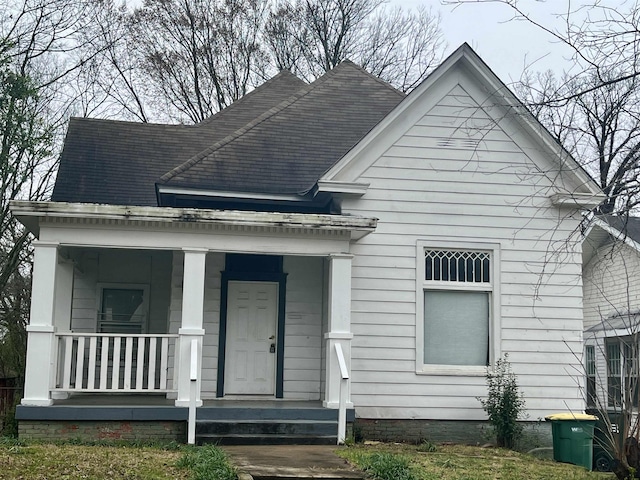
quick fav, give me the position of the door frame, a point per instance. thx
(281, 280)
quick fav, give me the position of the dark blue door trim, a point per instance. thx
(281, 280)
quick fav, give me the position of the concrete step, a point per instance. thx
(292, 413)
(260, 439)
(266, 427)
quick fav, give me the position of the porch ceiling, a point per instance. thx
(34, 214)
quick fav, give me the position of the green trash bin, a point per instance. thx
(573, 438)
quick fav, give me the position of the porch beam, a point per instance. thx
(339, 329)
(192, 324)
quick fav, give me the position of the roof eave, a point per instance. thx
(31, 214)
(587, 201)
(341, 189)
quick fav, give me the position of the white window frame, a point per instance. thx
(492, 287)
(100, 287)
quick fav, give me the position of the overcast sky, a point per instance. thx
(506, 46)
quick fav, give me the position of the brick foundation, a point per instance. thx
(535, 434)
(143, 431)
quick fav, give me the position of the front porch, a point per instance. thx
(256, 311)
(93, 417)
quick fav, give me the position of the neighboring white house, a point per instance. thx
(611, 286)
(426, 235)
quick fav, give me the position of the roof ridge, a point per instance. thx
(128, 122)
(372, 76)
(194, 160)
(241, 100)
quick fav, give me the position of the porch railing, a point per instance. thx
(101, 362)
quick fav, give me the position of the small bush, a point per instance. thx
(504, 404)
(427, 446)
(387, 466)
(208, 463)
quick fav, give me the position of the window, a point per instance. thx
(456, 323)
(614, 373)
(123, 308)
(590, 367)
(622, 371)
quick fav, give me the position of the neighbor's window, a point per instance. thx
(622, 370)
(590, 367)
(614, 373)
(457, 289)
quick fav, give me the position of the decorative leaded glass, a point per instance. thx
(457, 266)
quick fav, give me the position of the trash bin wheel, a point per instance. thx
(602, 463)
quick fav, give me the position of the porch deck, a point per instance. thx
(223, 421)
(158, 407)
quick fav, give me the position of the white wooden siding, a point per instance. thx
(212, 284)
(303, 327)
(611, 283)
(495, 191)
(119, 266)
(211, 322)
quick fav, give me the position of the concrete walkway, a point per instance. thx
(270, 462)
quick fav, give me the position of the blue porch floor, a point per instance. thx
(158, 407)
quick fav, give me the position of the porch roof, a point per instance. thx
(31, 214)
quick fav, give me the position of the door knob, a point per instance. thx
(272, 349)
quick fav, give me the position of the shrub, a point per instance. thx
(504, 404)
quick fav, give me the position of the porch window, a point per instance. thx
(590, 368)
(123, 308)
(456, 291)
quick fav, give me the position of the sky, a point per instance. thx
(508, 47)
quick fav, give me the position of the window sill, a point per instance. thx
(453, 370)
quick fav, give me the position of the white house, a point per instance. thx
(425, 235)
(611, 284)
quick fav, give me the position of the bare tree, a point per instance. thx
(314, 36)
(601, 127)
(41, 51)
(199, 56)
(603, 38)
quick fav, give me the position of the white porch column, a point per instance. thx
(339, 327)
(192, 322)
(41, 349)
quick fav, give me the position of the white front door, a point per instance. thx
(252, 312)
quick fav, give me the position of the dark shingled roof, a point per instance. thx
(280, 138)
(106, 161)
(288, 148)
(629, 226)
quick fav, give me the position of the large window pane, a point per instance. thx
(456, 328)
(122, 310)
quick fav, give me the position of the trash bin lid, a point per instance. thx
(570, 416)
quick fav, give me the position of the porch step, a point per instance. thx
(267, 426)
(266, 432)
(257, 439)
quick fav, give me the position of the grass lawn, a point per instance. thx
(46, 461)
(457, 462)
(392, 462)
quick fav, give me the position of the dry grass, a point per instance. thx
(458, 462)
(46, 461)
